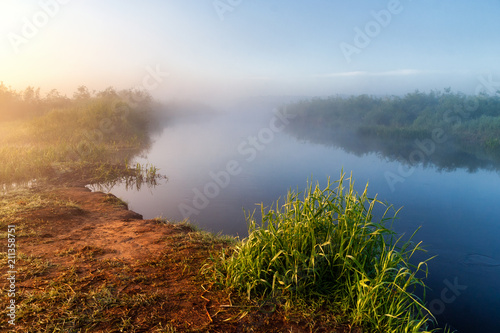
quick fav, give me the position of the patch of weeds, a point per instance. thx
(89, 252)
(141, 278)
(32, 266)
(70, 304)
(184, 225)
(103, 298)
(209, 239)
(163, 261)
(167, 328)
(195, 234)
(116, 263)
(15, 203)
(126, 325)
(28, 266)
(65, 253)
(58, 202)
(19, 203)
(161, 220)
(110, 198)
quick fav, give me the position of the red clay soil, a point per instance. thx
(149, 271)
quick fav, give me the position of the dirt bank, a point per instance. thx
(85, 263)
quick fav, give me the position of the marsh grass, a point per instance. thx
(326, 248)
(92, 138)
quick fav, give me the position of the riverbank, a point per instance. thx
(80, 261)
(85, 263)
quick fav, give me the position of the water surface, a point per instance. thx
(219, 166)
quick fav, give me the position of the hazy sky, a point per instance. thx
(259, 47)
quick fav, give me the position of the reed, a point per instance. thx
(327, 245)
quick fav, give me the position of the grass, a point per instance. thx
(197, 235)
(325, 250)
(317, 261)
(18, 205)
(321, 258)
(92, 139)
(83, 292)
(79, 307)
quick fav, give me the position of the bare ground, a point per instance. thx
(88, 264)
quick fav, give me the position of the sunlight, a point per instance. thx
(239, 102)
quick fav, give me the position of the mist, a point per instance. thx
(187, 50)
(197, 111)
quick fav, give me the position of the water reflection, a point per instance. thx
(444, 154)
(139, 177)
(8, 187)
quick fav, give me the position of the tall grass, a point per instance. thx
(328, 245)
(85, 136)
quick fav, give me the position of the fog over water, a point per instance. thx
(220, 165)
(235, 151)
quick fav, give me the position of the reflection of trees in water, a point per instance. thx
(447, 156)
(133, 181)
(404, 128)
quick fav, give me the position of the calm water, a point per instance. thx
(218, 166)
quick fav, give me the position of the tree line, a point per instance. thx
(391, 124)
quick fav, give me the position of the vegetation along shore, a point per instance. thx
(318, 261)
(442, 128)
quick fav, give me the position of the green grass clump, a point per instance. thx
(328, 246)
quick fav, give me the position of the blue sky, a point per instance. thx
(255, 47)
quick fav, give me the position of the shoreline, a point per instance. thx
(103, 248)
(87, 263)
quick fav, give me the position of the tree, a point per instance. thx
(31, 95)
(82, 93)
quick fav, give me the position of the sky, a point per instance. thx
(205, 48)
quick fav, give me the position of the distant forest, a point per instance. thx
(452, 129)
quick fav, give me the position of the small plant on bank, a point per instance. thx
(327, 246)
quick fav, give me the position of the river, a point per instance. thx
(217, 166)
